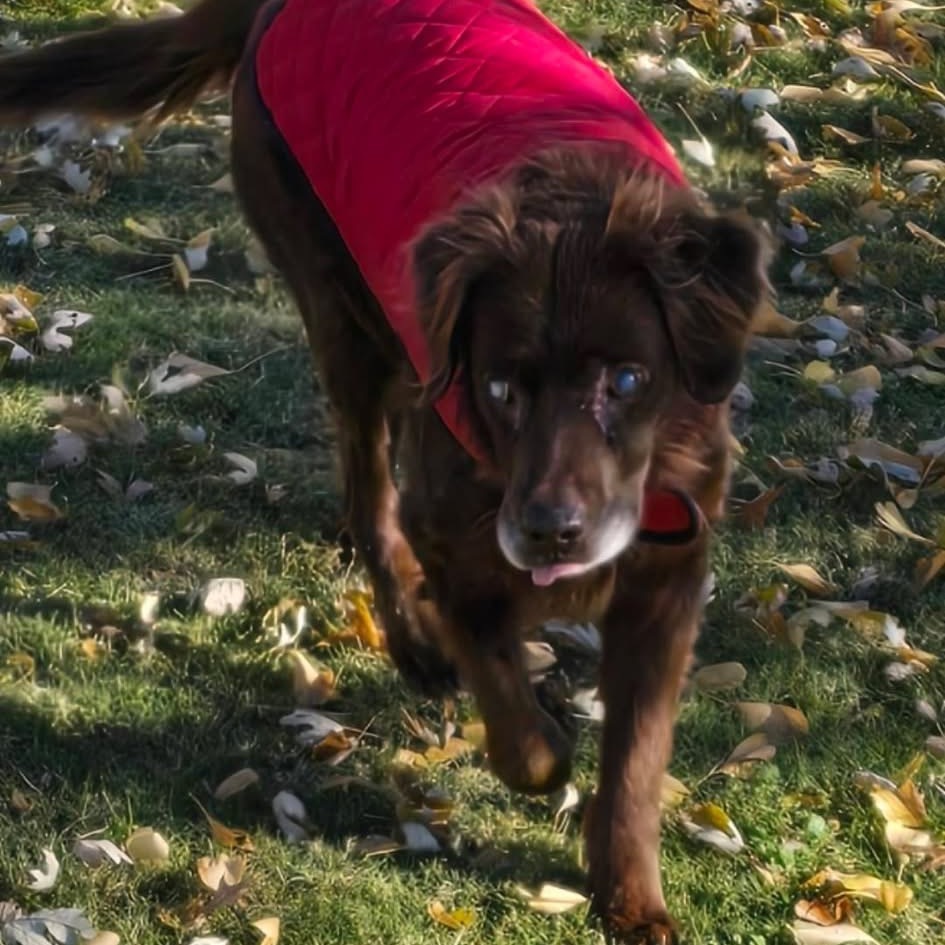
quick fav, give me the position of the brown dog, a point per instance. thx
(580, 313)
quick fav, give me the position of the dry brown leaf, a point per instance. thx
(747, 753)
(924, 235)
(311, 685)
(753, 514)
(221, 870)
(844, 257)
(781, 723)
(230, 837)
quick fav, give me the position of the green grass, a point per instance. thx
(144, 732)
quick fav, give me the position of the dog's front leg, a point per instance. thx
(648, 634)
(527, 749)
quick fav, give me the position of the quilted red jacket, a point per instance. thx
(395, 108)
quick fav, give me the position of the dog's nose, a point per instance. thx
(558, 525)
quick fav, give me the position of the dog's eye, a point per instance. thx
(500, 391)
(627, 382)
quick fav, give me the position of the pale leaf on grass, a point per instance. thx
(314, 726)
(780, 723)
(147, 846)
(220, 597)
(32, 502)
(78, 180)
(808, 578)
(809, 933)
(718, 677)
(672, 792)
(44, 877)
(67, 450)
(236, 783)
(751, 750)
(222, 870)
(270, 929)
(104, 938)
(889, 516)
(62, 926)
(179, 373)
(149, 230)
(53, 337)
(935, 745)
(291, 816)
(244, 469)
(699, 150)
(568, 799)
(197, 249)
(209, 940)
(180, 272)
(97, 853)
(709, 824)
(311, 685)
(418, 838)
(551, 899)
(15, 352)
(773, 131)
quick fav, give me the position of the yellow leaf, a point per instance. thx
(808, 578)
(180, 271)
(769, 321)
(27, 296)
(32, 502)
(22, 664)
(91, 649)
(228, 836)
(147, 231)
(456, 919)
(892, 128)
(269, 928)
(146, 845)
(896, 809)
(673, 792)
(820, 372)
(362, 621)
(893, 897)
(19, 802)
(864, 378)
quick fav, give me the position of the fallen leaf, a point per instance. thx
(222, 596)
(781, 723)
(844, 257)
(231, 837)
(455, 919)
(237, 782)
(749, 751)
(221, 870)
(551, 899)
(719, 676)
(807, 933)
(44, 877)
(146, 845)
(32, 502)
(418, 838)
(808, 578)
(291, 816)
(197, 249)
(311, 685)
(889, 516)
(68, 450)
(97, 853)
(180, 272)
(893, 897)
(180, 372)
(269, 928)
(244, 469)
(709, 824)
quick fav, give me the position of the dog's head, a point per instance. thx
(578, 299)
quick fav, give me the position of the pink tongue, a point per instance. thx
(545, 577)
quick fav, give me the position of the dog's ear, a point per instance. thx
(710, 274)
(450, 259)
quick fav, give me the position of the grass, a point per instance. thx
(140, 734)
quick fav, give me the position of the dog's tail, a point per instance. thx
(123, 71)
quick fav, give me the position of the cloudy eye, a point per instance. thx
(626, 382)
(500, 391)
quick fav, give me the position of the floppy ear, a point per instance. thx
(449, 260)
(711, 274)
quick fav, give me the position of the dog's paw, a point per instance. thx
(660, 931)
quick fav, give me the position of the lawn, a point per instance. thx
(124, 703)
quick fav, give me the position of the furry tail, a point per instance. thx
(126, 70)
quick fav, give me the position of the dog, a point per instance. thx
(516, 302)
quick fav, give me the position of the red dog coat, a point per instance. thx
(394, 109)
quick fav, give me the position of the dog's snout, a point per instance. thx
(559, 526)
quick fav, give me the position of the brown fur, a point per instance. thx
(546, 277)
